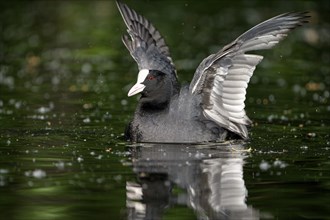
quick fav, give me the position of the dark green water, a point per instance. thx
(64, 77)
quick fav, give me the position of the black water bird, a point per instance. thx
(211, 108)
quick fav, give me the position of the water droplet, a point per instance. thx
(87, 120)
(39, 174)
(264, 165)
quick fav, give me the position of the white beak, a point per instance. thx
(139, 87)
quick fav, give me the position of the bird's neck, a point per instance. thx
(153, 106)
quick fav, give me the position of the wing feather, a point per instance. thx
(222, 78)
(145, 44)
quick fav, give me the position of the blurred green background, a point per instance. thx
(64, 77)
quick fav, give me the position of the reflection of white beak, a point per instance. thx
(139, 87)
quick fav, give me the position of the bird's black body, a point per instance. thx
(211, 108)
(178, 119)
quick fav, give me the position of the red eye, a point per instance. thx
(151, 77)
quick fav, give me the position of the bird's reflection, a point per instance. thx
(210, 179)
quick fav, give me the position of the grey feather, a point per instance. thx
(222, 78)
(145, 44)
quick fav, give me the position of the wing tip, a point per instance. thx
(302, 17)
(120, 6)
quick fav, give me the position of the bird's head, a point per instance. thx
(155, 87)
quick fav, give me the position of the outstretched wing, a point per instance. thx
(145, 43)
(222, 78)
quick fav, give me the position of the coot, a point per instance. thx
(211, 108)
